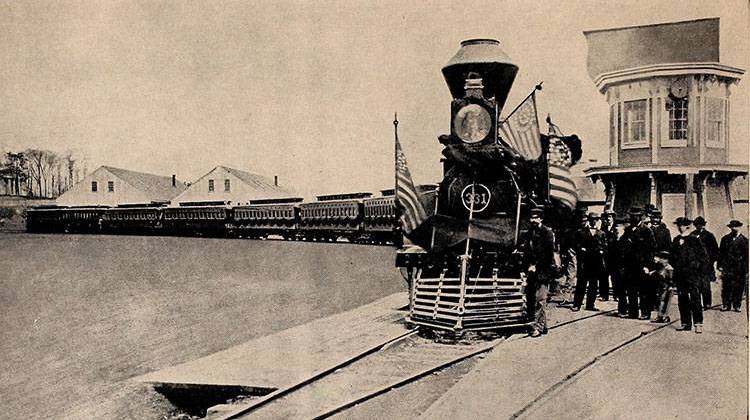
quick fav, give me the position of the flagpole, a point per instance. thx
(395, 166)
(464, 263)
(537, 87)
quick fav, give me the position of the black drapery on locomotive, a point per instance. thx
(469, 275)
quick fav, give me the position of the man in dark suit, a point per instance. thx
(641, 292)
(608, 229)
(712, 251)
(538, 246)
(732, 263)
(688, 257)
(618, 264)
(590, 248)
(662, 237)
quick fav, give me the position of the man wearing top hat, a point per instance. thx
(732, 263)
(712, 251)
(618, 264)
(608, 229)
(590, 249)
(538, 246)
(640, 290)
(688, 259)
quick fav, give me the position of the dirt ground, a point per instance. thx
(80, 315)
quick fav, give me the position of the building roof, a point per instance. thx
(693, 41)
(156, 187)
(737, 169)
(259, 182)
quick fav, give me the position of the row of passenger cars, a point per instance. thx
(354, 217)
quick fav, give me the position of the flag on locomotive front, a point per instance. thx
(561, 185)
(520, 130)
(407, 197)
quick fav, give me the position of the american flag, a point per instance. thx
(520, 130)
(561, 185)
(413, 213)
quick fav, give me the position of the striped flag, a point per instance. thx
(561, 185)
(520, 130)
(413, 213)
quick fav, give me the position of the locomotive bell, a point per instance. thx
(485, 58)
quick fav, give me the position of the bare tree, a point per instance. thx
(50, 161)
(36, 164)
(70, 165)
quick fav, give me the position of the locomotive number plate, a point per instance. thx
(476, 197)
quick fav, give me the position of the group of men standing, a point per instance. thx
(643, 262)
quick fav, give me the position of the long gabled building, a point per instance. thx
(223, 185)
(108, 186)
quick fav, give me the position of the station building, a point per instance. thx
(108, 186)
(669, 101)
(229, 186)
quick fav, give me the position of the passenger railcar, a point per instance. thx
(64, 220)
(262, 218)
(332, 217)
(132, 220)
(211, 221)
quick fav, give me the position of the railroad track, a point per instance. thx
(390, 365)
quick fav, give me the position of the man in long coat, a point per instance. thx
(608, 228)
(538, 246)
(591, 247)
(640, 290)
(712, 250)
(688, 259)
(732, 263)
(617, 264)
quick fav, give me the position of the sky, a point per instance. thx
(300, 89)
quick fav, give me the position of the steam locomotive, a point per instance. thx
(353, 217)
(466, 270)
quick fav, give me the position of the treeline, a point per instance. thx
(40, 173)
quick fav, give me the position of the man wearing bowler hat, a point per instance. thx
(590, 249)
(661, 233)
(712, 251)
(688, 259)
(640, 291)
(732, 263)
(538, 246)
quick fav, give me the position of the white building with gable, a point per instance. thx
(230, 186)
(108, 186)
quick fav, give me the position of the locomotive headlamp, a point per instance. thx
(472, 123)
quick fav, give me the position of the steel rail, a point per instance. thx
(427, 372)
(589, 365)
(279, 393)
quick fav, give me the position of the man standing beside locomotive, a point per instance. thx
(688, 259)
(538, 250)
(732, 264)
(712, 250)
(608, 229)
(590, 248)
(640, 290)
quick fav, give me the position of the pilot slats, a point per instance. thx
(485, 303)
